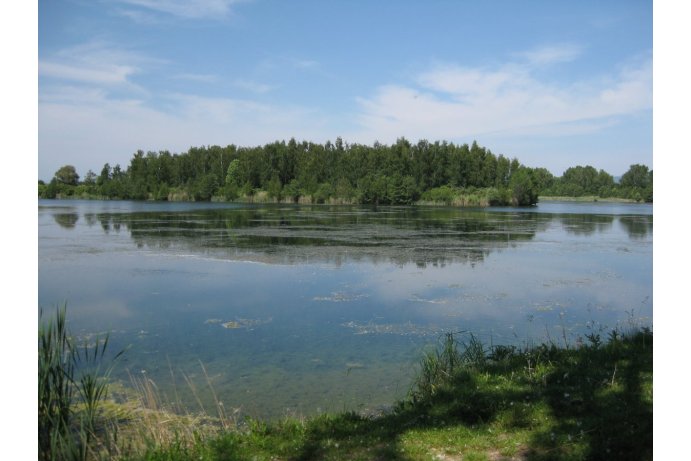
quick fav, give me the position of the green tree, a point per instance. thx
(203, 189)
(162, 192)
(543, 178)
(344, 189)
(523, 187)
(503, 171)
(104, 177)
(372, 189)
(232, 175)
(638, 176)
(67, 174)
(51, 190)
(323, 193)
(90, 178)
(274, 189)
(637, 183)
(292, 190)
(580, 180)
(401, 190)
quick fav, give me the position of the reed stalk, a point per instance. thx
(72, 384)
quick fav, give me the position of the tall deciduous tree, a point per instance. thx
(523, 187)
(67, 174)
(637, 176)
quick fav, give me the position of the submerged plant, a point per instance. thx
(71, 386)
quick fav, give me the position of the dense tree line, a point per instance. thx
(635, 184)
(402, 173)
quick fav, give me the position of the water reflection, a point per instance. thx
(66, 220)
(298, 235)
(586, 224)
(297, 333)
(638, 227)
(400, 236)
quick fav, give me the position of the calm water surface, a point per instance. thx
(298, 310)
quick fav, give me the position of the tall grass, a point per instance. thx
(439, 366)
(148, 424)
(55, 369)
(72, 384)
(593, 401)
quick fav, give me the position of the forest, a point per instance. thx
(342, 173)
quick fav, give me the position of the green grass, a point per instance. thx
(472, 402)
(469, 402)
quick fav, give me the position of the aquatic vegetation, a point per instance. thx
(244, 323)
(72, 385)
(403, 329)
(339, 297)
(472, 401)
(416, 298)
(311, 346)
(238, 323)
(469, 401)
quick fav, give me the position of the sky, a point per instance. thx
(553, 83)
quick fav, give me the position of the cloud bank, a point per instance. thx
(96, 107)
(185, 9)
(452, 101)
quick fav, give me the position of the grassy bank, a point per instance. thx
(469, 401)
(587, 198)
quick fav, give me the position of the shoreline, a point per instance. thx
(338, 202)
(588, 199)
(543, 402)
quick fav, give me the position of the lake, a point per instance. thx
(296, 310)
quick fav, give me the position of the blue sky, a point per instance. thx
(553, 83)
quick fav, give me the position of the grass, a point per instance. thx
(71, 386)
(469, 402)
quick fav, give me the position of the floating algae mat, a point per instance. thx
(403, 329)
(298, 310)
(244, 323)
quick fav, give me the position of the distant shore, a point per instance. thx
(479, 202)
(587, 198)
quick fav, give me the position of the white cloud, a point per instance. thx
(281, 63)
(94, 63)
(551, 54)
(70, 94)
(139, 16)
(304, 63)
(85, 72)
(92, 112)
(451, 102)
(199, 78)
(188, 9)
(88, 129)
(462, 83)
(254, 87)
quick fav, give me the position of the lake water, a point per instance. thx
(298, 310)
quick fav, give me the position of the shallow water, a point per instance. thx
(297, 310)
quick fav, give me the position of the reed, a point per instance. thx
(72, 385)
(437, 367)
(469, 401)
(55, 369)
